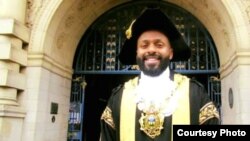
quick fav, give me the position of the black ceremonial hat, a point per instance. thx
(153, 19)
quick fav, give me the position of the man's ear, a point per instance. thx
(171, 55)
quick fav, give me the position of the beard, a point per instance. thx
(152, 70)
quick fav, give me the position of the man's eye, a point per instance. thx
(144, 46)
(159, 45)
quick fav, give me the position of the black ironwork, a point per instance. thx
(75, 125)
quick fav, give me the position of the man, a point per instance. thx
(146, 107)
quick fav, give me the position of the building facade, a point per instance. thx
(38, 45)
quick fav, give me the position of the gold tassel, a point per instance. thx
(129, 30)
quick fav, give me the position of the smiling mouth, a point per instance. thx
(152, 60)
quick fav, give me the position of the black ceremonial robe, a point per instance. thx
(120, 119)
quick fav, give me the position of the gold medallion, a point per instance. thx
(152, 123)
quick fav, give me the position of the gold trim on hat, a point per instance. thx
(129, 30)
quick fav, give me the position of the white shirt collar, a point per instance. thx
(155, 88)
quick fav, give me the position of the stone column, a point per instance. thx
(14, 37)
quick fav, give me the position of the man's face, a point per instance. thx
(153, 52)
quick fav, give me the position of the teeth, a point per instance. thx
(151, 60)
(154, 57)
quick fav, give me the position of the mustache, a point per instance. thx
(152, 55)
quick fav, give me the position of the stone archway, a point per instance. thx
(57, 27)
(59, 36)
(53, 34)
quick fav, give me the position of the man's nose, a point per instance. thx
(151, 48)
